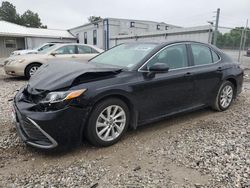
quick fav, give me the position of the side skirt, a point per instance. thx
(186, 110)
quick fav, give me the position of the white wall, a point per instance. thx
(122, 27)
(119, 27)
(89, 29)
(200, 34)
(33, 42)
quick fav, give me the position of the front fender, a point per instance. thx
(124, 96)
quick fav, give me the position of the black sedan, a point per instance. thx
(126, 86)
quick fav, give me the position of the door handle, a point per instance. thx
(73, 56)
(219, 69)
(188, 74)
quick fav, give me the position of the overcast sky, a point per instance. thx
(65, 14)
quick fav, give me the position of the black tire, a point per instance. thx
(217, 104)
(29, 68)
(91, 129)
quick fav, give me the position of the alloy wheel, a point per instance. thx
(110, 123)
(33, 70)
(226, 96)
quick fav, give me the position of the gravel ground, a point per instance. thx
(199, 149)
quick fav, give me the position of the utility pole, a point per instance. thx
(216, 26)
(210, 36)
(245, 36)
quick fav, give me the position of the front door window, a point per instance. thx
(174, 56)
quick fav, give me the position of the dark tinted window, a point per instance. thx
(77, 38)
(95, 37)
(132, 24)
(202, 54)
(174, 56)
(10, 43)
(85, 38)
(66, 50)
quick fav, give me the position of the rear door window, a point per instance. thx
(84, 50)
(202, 54)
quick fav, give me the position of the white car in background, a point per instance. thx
(26, 65)
(32, 51)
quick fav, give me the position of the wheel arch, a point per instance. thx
(127, 100)
(25, 69)
(234, 82)
(231, 79)
(123, 97)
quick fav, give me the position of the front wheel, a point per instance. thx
(108, 122)
(224, 96)
(31, 69)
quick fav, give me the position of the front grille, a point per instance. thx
(32, 98)
(33, 132)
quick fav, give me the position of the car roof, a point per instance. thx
(58, 45)
(64, 44)
(162, 44)
(168, 42)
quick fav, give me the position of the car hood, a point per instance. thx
(23, 51)
(58, 75)
(27, 56)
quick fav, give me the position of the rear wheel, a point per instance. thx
(31, 69)
(224, 96)
(108, 122)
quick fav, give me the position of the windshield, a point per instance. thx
(45, 51)
(125, 55)
(38, 47)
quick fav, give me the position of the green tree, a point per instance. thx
(30, 19)
(232, 38)
(8, 12)
(93, 19)
(220, 40)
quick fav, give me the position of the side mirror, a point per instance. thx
(53, 53)
(159, 68)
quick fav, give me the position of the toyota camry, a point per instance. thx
(127, 86)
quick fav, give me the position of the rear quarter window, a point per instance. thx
(215, 56)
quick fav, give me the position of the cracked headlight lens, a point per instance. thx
(56, 97)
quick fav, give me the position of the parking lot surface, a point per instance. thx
(198, 149)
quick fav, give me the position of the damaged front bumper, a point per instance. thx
(48, 130)
(31, 133)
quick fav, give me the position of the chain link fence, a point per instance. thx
(235, 42)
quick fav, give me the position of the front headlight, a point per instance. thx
(56, 97)
(16, 61)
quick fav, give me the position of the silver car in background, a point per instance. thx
(26, 65)
(32, 51)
